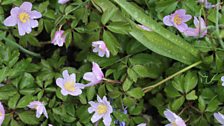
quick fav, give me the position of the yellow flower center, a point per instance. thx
(1, 114)
(101, 109)
(24, 17)
(69, 86)
(177, 19)
(174, 124)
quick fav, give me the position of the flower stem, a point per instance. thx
(149, 88)
(13, 43)
(112, 81)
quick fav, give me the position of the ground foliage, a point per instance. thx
(139, 59)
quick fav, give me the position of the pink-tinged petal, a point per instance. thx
(180, 12)
(35, 14)
(170, 115)
(64, 92)
(26, 6)
(186, 18)
(219, 117)
(101, 53)
(196, 22)
(65, 74)
(39, 111)
(180, 122)
(169, 124)
(93, 106)
(2, 110)
(107, 53)
(89, 76)
(107, 120)
(79, 85)
(97, 71)
(167, 20)
(10, 21)
(45, 113)
(191, 32)
(96, 117)
(21, 30)
(73, 77)
(33, 23)
(62, 1)
(14, 11)
(76, 92)
(182, 27)
(26, 26)
(99, 99)
(60, 82)
(96, 49)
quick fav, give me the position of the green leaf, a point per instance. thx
(191, 96)
(119, 27)
(191, 80)
(178, 103)
(112, 44)
(90, 93)
(13, 101)
(24, 101)
(27, 81)
(132, 75)
(136, 93)
(108, 13)
(127, 84)
(144, 71)
(169, 37)
(28, 117)
(128, 101)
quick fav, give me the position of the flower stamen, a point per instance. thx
(101, 109)
(24, 17)
(69, 86)
(177, 19)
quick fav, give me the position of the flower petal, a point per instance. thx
(35, 14)
(182, 27)
(167, 20)
(107, 120)
(22, 31)
(96, 117)
(170, 115)
(65, 74)
(26, 6)
(60, 82)
(89, 76)
(33, 23)
(10, 21)
(219, 117)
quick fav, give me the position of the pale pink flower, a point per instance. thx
(59, 38)
(174, 119)
(62, 1)
(39, 107)
(2, 113)
(143, 27)
(219, 117)
(177, 19)
(200, 29)
(68, 84)
(95, 77)
(102, 109)
(23, 17)
(101, 48)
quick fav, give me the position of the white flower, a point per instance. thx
(102, 109)
(174, 119)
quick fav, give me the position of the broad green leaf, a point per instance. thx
(142, 18)
(29, 117)
(24, 101)
(177, 103)
(13, 101)
(136, 93)
(112, 44)
(191, 95)
(191, 80)
(127, 84)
